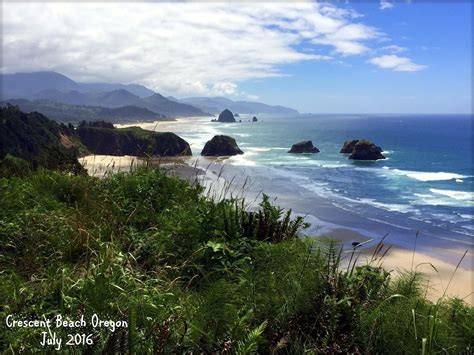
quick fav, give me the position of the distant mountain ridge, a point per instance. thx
(115, 98)
(58, 88)
(160, 103)
(218, 104)
(68, 113)
(24, 85)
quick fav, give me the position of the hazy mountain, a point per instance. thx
(207, 104)
(25, 85)
(159, 103)
(62, 112)
(218, 104)
(116, 98)
(55, 87)
(258, 107)
(59, 88)
(73, 97)
(137, 90)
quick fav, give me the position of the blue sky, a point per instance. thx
(340, 57)
(437, 35)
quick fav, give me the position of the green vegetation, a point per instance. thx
(31, 140)
(68, 113)
(191, 274)
(100, 138)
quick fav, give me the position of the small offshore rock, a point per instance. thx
(304, 147)
(365, 150)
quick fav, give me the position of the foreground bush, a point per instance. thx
(189, 274)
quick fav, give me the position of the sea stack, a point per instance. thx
(348, 146)
(303, 147)
(221, 146)
(226, 116)
(365, 150)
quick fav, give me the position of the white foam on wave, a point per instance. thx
(438, 200)
(457, 195)
(423, 175)
(306, 161)
(259, 149)
(393, 207)
(388, 206)
(243, 159)
(336, 165)
(428, 176)
(440, 176)
(451, 218)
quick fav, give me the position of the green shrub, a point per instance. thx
(194, 275)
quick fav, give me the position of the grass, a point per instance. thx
(194, 274)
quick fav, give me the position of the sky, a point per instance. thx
(338, 57)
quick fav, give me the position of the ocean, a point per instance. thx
(425, 184)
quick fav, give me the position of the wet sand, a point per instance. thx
(437, 260)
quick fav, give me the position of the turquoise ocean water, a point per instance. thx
(426, 182)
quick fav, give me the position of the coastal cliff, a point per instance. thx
(108, 140)
(29, 141)
(33, 141)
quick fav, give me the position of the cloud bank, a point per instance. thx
(182, 48)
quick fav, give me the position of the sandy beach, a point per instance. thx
(443, 277)
(436, 259)
(442, 274)
(165, 126)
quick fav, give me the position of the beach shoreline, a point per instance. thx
(441, 278)
(221, 178)
(437, 271)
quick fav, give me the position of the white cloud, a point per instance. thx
(224, 89)
(178, 48)
(396, 63)
(348, 39)
(384, 5)
(393, 49)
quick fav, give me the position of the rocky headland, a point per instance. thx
(108, 140)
